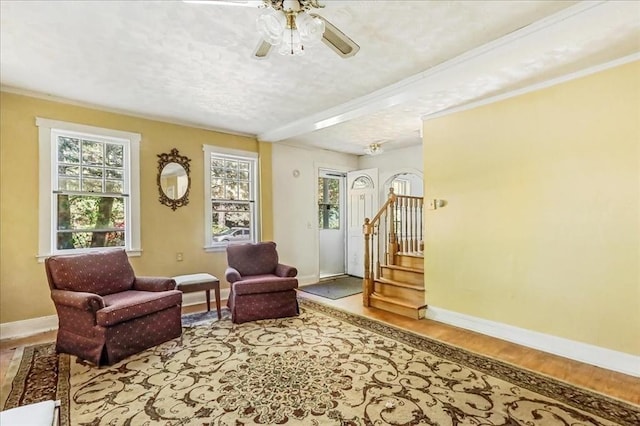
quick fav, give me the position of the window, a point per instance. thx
(328, 202)
(231, 188)
(401, 186)
(89, 188)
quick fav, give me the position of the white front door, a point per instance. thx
(332, 224)
(363, 203)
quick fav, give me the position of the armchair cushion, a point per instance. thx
(264, 284)
(103, 272)
(127, 305)
(253, 259)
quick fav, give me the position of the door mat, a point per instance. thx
(335, 289)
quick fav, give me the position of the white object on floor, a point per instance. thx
(38, 414)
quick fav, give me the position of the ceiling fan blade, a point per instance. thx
(242, 3)
(338, 41)
(262, 50)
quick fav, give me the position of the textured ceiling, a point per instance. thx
(191, 63)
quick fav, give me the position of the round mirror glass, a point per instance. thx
(174, 181)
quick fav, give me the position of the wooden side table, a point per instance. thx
(200, 282)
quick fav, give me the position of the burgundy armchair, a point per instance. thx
(105, 312)
(260, 287)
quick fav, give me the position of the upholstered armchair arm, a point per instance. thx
(78, 300)
(154, 284)
(285, 270)
(232, 275)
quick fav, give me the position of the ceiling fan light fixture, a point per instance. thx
(291, 43)
(311, 29)
(271, 25)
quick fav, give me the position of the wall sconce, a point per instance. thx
(433, 204)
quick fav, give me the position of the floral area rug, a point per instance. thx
(324, 367)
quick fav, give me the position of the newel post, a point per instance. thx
(367, 284)
(392, 247)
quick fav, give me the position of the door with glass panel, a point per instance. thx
(331, 222)
(363, 203)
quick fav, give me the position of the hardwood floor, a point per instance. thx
(597, 379)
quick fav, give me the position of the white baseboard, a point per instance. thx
(33, 326)
(307, 280)
(583, 352)
(29, 327)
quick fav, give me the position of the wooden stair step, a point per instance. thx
(387, 281)
(403, 268)
(406, 308)
(410, 253)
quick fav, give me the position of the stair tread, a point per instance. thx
(399, 302)
(400, 284)
(411, 254)
(403, 268)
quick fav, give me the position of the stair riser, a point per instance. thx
(410, 261)
(401, 293)
(401, 310)
(409, 277)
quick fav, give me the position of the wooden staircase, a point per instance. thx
(394, 279)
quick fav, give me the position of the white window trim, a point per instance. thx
(47, 178)
(209, 245)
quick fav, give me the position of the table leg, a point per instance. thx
(217, 290)
(208, 299)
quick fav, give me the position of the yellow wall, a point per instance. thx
(24, 292)
(541, 230)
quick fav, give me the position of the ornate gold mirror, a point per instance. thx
(174, 180)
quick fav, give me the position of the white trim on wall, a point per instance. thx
(578, 351)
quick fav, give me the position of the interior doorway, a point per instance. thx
(363, 203)
(331, 222)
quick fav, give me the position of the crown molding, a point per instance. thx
(52, 98)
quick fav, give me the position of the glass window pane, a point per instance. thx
(68, 150)
(321, 190)
(92, 185)
(80, 240)
(216, 163)
(217, 188)
(243, 191)
(334, 217)
(90, 212)
(333, 187)
(243, 175)
(231, 164)
(231, 174)
(114, 155)
(92, 153)
(362, 182)
(69, 184)
(217, 172)
(226, 216)
(113, 186)
(68, 170)
(231, 192)
(92, 172)
(114, 174)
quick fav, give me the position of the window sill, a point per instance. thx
(215, 249)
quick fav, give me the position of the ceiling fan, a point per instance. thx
(291, 25)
